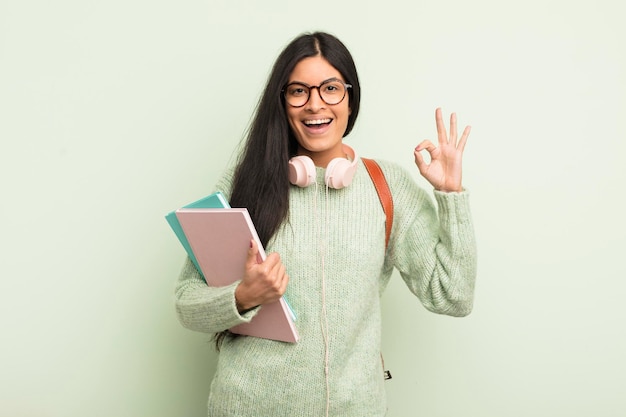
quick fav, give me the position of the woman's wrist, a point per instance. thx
(242, 304)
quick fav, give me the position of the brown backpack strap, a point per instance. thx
(384, 194)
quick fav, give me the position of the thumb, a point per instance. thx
(419, 159)
(422, 164)
(253, 254)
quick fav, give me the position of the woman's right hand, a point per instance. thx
(263, 282)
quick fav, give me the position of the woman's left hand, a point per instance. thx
(444, 171)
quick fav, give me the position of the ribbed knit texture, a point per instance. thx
(435, 255)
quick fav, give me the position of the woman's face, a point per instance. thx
(317, 126)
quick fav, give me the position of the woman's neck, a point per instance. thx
(323, 158)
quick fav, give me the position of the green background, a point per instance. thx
(114, 113)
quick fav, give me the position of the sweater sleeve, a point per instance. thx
(203, 308)
(206, 309)
(435, 252)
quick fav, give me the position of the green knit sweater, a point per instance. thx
(434, 253)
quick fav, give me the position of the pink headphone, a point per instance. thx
(339, 172)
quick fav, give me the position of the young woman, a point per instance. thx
(317, 212)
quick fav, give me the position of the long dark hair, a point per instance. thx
(261, 182)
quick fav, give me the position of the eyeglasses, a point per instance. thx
(331, 91)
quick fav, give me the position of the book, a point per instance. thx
(215, 200)
(220, 240)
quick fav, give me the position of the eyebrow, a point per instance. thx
(323, 82)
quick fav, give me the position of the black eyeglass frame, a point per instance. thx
(310, 87)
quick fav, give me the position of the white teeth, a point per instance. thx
(316, 122)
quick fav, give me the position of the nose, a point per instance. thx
(315, 100)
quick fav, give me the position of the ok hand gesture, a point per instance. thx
(444, 171)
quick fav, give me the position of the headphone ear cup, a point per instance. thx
(339, 173)
(301, 171)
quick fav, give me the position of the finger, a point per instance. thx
(277, 280)
(285, 281)
(463, 140)
(271, 264)
(425, 145)
(441, 127)
(453, 131)
(428, 146)
(419, 159)
(284, 278)
(276, 272)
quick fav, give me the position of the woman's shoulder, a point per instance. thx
(393, 171)
(401, 181)
(225, 182)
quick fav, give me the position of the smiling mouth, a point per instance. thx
(317, 123)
